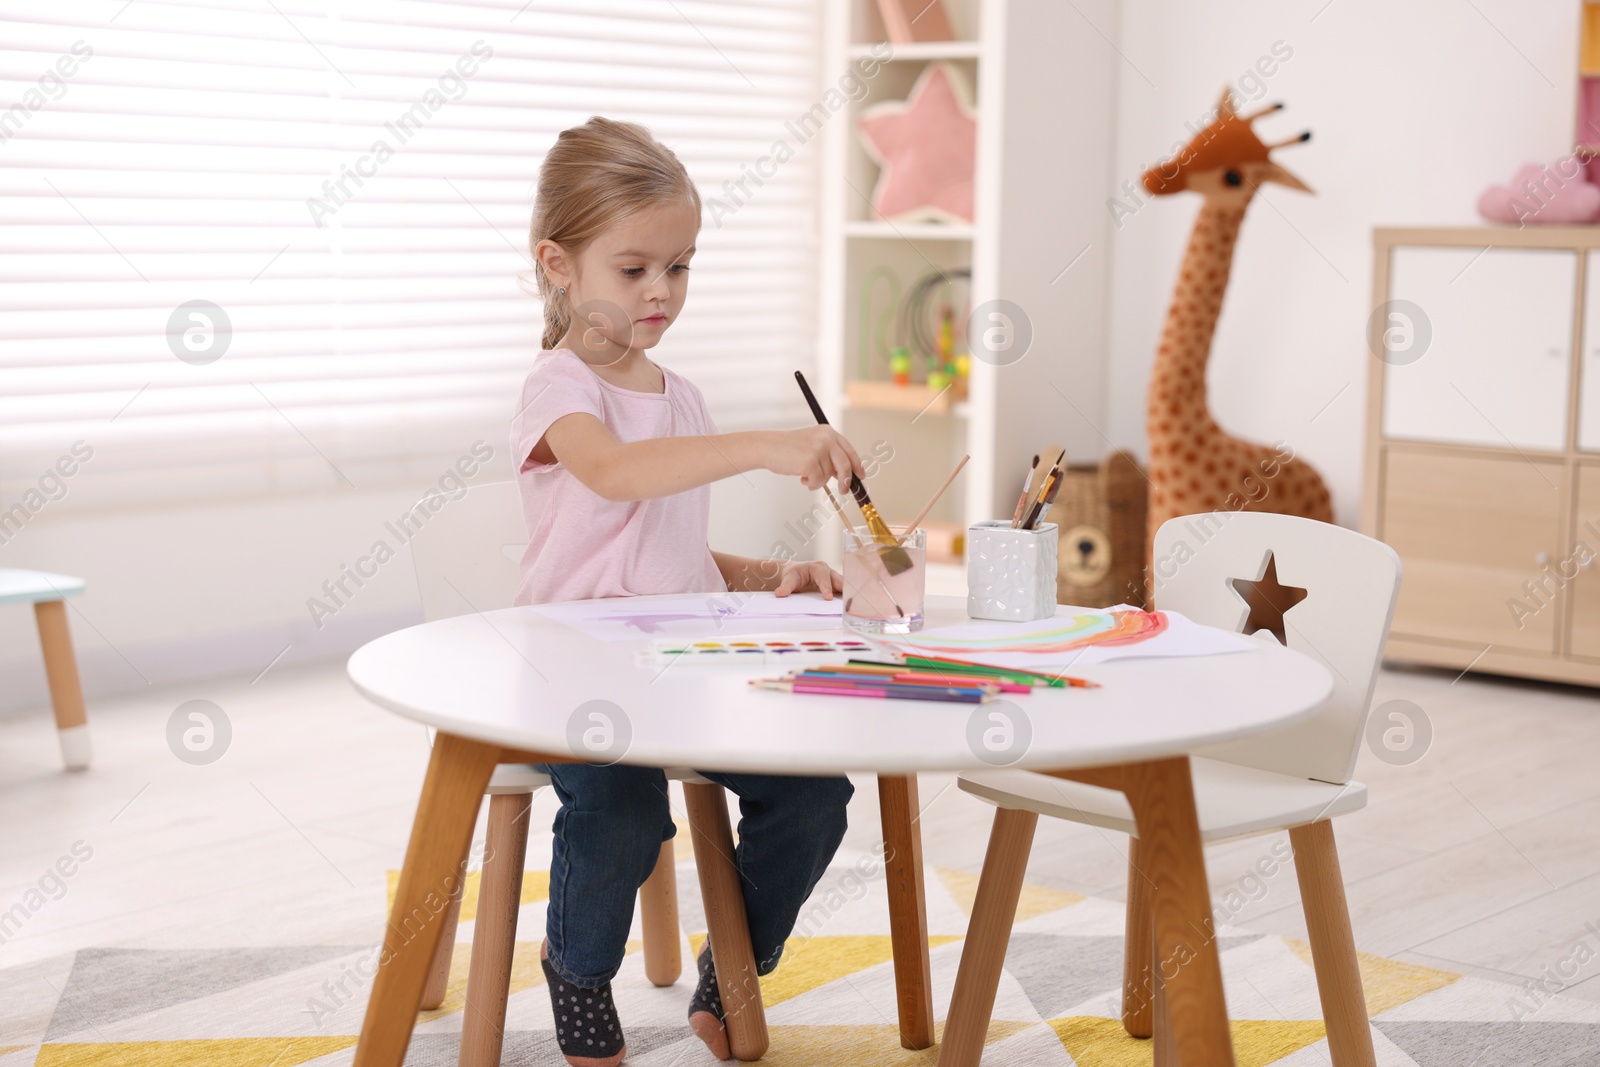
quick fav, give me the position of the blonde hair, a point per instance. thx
(594, 177)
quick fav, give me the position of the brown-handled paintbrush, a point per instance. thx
(1027, 484)
(837, 510)
(895, 559)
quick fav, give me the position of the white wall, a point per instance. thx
(1414, 108)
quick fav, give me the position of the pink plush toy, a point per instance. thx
(1552, 196)
(927, 147)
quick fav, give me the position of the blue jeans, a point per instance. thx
(608, 834)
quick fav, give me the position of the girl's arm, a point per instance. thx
(642, 470)
(747, 575)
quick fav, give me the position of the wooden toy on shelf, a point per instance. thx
(922, 336)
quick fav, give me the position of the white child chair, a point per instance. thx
(466, 556)
(1330, 593)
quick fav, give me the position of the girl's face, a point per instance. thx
(630, 282)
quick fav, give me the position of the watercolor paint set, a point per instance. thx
(759, 649)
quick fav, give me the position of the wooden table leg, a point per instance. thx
(1138, 982)
(66, 690)
(983, 954)
(908, 907)
(726, 923)
(1161, 793)
(458, 773)
(494, 937)
(1163, 1052)
(438, 984)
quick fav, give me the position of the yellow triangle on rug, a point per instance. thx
(1093, 1041)
(1387, 983)
(226, 1052)
(859, 1046)
(1035, 899)
(526, 973)
(810, 962)
(535, 886)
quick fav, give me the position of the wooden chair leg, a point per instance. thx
(495, 935)
(66, 690)
(908, 908)
(988, 933)
(1333, 947)
(658, 916)
(439, 973)
(726, 923)
(1161, 793)
(458, 773)
(1138, 978)
(1163, 1047)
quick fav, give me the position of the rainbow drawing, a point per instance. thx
(1067, 633)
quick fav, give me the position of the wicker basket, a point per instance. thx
(1101, 512)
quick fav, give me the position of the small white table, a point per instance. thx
(503, 686)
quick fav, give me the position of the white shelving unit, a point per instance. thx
(1044, 83)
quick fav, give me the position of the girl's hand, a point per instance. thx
(803, 577)
(815, 453)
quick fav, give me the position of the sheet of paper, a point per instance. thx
(692, 615)
(1077, 636)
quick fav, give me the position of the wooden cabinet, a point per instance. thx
(1589, 361)
(1483, 445)
(1470, 531)
(1489, 346)
(1584, 636)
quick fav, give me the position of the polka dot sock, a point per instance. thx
(706, 1017)
(588, 1030)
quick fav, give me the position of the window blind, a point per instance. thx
(350, 183)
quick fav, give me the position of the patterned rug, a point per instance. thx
(830, 1002)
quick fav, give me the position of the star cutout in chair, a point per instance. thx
(1267, 599)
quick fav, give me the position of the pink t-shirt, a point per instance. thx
(583, 545)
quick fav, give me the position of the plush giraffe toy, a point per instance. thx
(1194, 465)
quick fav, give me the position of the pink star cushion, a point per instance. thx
(927, 147)
(1554, 195)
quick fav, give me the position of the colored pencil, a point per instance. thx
(973, 688)
(864, 671)
(823, 675)
(958, 666)
(1041, 677)
(951, 696)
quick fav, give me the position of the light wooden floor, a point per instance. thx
(1483, 857)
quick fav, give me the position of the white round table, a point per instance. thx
(508, 686)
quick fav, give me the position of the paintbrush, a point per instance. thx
(895, 559)
(837, 510)
(1050, 496)
(934, 499)
(1027, 483)
(1047, 496)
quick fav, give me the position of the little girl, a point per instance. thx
(615, 455)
